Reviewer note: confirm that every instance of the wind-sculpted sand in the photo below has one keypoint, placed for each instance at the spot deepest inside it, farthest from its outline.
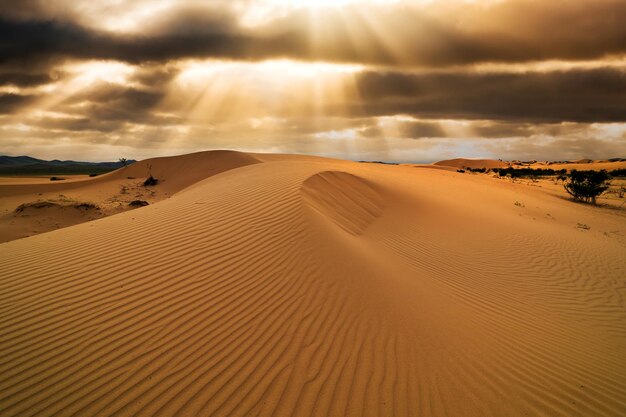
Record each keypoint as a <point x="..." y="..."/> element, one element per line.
<point x="293" y="286"/>
<point x="107" y="194"/>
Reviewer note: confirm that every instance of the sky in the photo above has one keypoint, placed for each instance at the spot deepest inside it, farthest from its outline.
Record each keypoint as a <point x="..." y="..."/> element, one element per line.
<point x="395" y="80"/>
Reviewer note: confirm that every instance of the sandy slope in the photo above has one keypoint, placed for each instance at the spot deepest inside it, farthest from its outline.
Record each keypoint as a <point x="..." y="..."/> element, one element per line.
<point x="593" y="165"/>
<point x="110" y="193"/>
<point x="472" y="163"/>
<point x="582" y="165"/>
<point x="40" y="179"/>
<point x="302" y="286"/>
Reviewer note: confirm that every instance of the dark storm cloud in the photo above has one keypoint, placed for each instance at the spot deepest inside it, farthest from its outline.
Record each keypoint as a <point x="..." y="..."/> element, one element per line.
<point x="421" y="130"/>
<point x="34" y="40"/>
<point x="120" y="96"/>
<point x="155" y="77"/>
<point x="10" y="103"/>
<point x="596" y="95"/>
<point x="81" y="124"/>
<point x="511" y="130"/>
<point x="435" y="35"/>
<point x="115" y="104"/>
<point x="24" y="79"/>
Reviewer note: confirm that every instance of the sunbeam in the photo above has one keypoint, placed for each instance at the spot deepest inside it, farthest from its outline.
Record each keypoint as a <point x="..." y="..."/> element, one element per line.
<point x="332" y="77"/>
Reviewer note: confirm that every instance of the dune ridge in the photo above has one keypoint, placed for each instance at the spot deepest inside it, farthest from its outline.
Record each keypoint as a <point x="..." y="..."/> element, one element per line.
<point x="111" y="192"/>
<point x="351" y="202"/>
<point x="302" y="286"/>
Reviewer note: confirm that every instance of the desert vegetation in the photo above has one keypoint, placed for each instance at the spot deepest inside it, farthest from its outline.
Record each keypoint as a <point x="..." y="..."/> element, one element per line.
<point x="528" y="172"/>
<point x="138" y="203"/>
<point x="582" y="185"/>
<point x="586" y="186"/>
<point x="150" y="181"/>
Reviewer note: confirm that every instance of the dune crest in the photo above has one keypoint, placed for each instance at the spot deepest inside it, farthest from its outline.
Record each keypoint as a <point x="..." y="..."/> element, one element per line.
<point x="349" y="201"/>
<point x="112" y="192"/>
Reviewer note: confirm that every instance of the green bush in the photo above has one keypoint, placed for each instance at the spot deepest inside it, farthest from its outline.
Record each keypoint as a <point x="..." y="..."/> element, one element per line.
<point x="587" y="185"/>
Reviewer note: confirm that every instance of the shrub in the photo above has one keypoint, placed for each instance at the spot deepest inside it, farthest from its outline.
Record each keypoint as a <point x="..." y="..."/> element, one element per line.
<point x="151" y="180"/>
<point x="618" y="173"/>
<point x="587" y="185"/>
<point x="531" y="173"/>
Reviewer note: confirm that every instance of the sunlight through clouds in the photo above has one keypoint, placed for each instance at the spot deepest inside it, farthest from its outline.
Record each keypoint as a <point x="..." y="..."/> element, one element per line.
<point x="348" y="78"/>
<point x="223" y="91"/>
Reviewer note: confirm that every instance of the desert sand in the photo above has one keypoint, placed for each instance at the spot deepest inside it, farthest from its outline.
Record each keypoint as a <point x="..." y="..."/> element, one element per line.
<point x="582" y="165"/>
<point x="279" y="285"/>
<point x="472" y="163"/>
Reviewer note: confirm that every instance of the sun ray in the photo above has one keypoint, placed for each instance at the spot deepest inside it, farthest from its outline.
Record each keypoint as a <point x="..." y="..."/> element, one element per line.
<point x="76" y="78"/>
<point x="230" y="91"/>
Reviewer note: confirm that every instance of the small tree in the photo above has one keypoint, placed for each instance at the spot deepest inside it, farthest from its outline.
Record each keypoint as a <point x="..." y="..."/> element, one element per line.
<point x="587" y="185"/>
<point x="123" y="161"/>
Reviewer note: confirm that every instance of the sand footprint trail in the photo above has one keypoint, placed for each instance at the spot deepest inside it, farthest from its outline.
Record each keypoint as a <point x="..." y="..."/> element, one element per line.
<point x="303" y="286"/>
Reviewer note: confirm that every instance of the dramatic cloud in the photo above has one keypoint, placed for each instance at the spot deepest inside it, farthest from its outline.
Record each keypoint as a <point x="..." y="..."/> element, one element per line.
<point x="596" y="95"/>
<point x="10" y="102"/>
<point x="407" y="33"/>
<point x="361" y="79"/>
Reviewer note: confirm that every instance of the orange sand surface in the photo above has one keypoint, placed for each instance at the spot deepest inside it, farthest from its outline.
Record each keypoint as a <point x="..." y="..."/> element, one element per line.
<point x="14" y="180"/>
<point x="277" y="285"/>
<point x="473" y="163"/>
<point x="594" y="165"/>
<point x="493" y="163"/>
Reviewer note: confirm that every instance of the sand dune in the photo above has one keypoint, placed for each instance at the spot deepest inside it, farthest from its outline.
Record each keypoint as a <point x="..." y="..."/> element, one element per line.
<point x="583" y="164"/>
<point x="473" y="163"/>
<point x="593" y="165"/>
<point x="296" y="286"/>
<point x="110" y="193"/>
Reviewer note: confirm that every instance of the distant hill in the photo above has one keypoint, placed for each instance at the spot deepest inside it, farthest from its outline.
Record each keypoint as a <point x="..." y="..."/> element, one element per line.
<point x="26" y="165"/>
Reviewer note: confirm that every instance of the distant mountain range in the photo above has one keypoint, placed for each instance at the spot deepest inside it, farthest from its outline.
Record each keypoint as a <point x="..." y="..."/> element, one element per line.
<point x="26" y="165"/>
